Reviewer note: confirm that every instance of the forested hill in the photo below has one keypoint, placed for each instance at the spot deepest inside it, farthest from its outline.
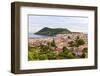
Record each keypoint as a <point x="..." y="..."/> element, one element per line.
<point x="52" y="31"/>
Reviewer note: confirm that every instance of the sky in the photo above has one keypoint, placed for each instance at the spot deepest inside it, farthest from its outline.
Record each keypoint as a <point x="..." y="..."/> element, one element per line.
<point x="72" y="23"/>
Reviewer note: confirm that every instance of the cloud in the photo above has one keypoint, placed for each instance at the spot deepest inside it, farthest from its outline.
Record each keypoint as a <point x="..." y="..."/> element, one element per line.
<point x="77" y="24"/>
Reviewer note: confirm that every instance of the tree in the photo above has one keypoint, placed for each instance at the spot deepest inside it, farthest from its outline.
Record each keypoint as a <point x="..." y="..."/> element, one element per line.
<point x="69" y="37"/>
<point x="73" y="44"/>
<point x="77" y="37"/>
<point x="53" y="43"/>
<point x="66" y="53"/>
<point x="85" y="53"/>
<point x="80" y="42"/>
<point x="63" y="54"/>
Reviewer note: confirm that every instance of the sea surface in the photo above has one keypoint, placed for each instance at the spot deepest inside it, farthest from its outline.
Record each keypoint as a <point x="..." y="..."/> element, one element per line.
<point x="31" y="35"/>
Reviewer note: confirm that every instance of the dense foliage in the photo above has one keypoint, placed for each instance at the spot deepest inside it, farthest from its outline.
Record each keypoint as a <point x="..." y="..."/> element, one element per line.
<point x="77" y="42"/>
<point x="49" y="52"/>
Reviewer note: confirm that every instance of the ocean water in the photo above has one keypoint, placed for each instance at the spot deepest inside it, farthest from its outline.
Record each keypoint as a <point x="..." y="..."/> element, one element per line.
<point x="31" y="35"/>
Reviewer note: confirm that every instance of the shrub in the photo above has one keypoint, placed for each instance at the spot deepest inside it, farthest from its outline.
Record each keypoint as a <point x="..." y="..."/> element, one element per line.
<point x="65" y="49"/>
<point x="61" y="55"/>
<point x="85" y="50"/>
<point x="70" y="55"/>
<point x="30" y="56"/>
<point x="73" y="44"/>
<point x="44" y="48"/>
<point x="84" y="55"/>
<point x="43" y="57"/>
<point x="66" y="53"/>
<point x="33" y="56"/>
<point x="52" y="54"/>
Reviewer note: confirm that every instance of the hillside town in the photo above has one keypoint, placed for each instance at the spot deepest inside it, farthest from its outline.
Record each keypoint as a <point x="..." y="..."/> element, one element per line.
<point x="64" y="40"/>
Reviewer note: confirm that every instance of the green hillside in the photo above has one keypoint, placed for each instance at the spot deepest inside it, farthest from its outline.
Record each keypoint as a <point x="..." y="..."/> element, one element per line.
<point x="52" y="31"/>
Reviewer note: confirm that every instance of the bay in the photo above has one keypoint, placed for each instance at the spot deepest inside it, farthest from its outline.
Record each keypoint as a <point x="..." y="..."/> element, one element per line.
<point x="31" y="35"/>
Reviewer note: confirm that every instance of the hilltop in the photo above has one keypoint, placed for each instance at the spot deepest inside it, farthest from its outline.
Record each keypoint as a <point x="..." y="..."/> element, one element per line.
<point x="52" y="31"/>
